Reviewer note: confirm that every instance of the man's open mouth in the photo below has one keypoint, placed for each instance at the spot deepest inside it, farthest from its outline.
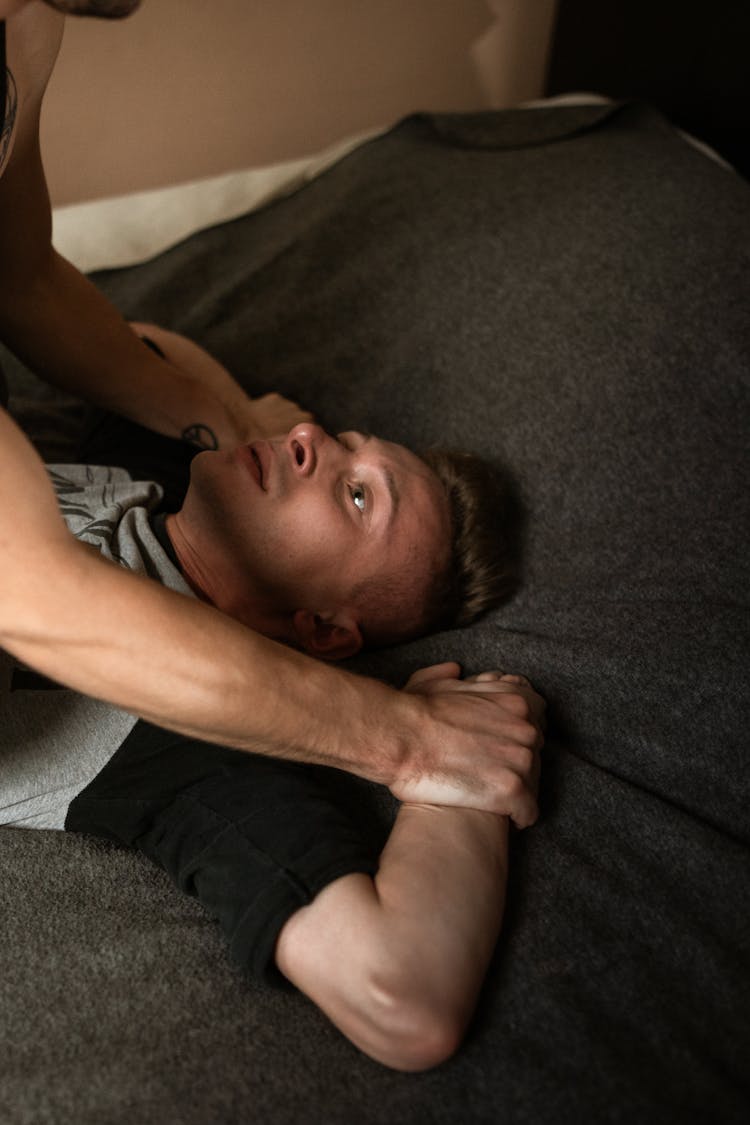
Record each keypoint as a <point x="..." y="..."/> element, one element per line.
<point x="256" y="459"/>
<point x="259" y="466"/>
<point x="254" y="463"/>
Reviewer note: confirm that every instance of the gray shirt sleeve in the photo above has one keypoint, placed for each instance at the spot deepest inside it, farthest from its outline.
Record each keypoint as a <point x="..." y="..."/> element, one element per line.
<point x="53" y="741"/>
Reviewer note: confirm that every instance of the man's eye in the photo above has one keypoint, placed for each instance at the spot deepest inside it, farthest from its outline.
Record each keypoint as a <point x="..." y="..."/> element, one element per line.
<point x="358" y="496"/>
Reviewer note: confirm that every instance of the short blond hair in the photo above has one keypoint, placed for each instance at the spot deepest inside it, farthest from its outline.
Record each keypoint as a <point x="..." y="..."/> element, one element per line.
<point x="483" y="558"/>
<point x="484" y="561"/>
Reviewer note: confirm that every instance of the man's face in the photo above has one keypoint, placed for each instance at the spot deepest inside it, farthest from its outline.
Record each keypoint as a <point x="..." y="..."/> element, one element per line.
<point x="311" y="517"/>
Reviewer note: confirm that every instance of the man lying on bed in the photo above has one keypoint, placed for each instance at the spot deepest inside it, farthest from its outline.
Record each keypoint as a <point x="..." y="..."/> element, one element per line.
<point x="108" y="633"/>
<point x="324" y="543"/>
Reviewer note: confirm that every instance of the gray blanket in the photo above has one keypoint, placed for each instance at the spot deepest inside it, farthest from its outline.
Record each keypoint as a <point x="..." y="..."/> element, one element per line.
<point x="566" y="290"/>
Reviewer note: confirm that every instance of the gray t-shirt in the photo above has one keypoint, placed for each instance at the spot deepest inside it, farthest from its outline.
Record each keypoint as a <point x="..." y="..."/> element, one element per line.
<point x="53" y="741"/>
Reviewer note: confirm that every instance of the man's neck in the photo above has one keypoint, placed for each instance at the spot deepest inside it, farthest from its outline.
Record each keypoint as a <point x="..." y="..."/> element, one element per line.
<point x="207" y="586"/>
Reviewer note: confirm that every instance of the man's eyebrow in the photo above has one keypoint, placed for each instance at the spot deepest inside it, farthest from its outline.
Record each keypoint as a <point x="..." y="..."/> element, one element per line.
<point x="392" y="491"/>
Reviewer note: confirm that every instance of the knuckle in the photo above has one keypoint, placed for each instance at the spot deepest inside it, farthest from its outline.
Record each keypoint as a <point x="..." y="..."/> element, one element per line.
<point x="523" y="707"/>
<point x="517" y="704"/>
<point x="522" y="733"/>
<point x="525" y="758"/>
<point x="528" y="818"/>
<point x="512" y="785"/>
<point x="515" y="678"/>
<point x="529" y="733"/>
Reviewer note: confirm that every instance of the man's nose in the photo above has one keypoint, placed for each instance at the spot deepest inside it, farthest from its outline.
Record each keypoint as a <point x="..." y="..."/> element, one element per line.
<point x="304" y="443"/>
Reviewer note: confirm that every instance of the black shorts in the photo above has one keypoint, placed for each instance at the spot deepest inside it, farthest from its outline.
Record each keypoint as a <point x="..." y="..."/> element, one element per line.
<point x="253" y="838"/>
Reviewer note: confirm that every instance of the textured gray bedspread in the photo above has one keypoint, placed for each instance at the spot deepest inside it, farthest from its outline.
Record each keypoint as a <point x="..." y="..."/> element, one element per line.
<point x="568" y="290"/>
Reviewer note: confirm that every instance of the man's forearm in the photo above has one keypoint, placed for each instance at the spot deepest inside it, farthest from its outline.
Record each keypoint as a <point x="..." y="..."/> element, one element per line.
<point x="69" y="334"/>
<point x="181" y="664"/>
<point x="397" y="962"/>
<point x="66" y="331"/>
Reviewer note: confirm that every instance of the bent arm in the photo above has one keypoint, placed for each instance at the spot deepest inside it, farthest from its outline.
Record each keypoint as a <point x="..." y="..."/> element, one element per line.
<point x="397" y="962"/>
<point x="70" y="335"/>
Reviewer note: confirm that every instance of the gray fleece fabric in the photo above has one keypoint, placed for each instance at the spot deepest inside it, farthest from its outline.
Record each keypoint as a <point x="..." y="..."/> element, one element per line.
<point x="565" y="290"/>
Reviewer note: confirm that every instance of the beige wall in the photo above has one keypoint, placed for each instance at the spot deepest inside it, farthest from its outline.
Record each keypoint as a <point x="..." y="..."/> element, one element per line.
<point x="185" y="88"/>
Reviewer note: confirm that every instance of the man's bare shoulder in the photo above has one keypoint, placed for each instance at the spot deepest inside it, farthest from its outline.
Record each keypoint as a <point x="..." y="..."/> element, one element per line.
<point x="33" y="36"/>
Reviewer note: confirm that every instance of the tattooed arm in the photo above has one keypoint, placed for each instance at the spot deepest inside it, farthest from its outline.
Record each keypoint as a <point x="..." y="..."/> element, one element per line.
<point x="57" y="322"/>
<point x="66" y="332"/>
<point x="266" y="416"/>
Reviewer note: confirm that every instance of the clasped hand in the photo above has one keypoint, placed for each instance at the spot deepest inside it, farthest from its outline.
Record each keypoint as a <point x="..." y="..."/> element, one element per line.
<point x="482" y="738"/>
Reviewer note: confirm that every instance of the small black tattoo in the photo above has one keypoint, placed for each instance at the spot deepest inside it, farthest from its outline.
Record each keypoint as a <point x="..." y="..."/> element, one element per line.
<point x="153" y="345"/>
<point x="200" y="435"/>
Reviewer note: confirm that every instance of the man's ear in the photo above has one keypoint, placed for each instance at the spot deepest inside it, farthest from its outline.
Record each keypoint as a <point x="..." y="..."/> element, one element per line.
<point x="333" y="639"/>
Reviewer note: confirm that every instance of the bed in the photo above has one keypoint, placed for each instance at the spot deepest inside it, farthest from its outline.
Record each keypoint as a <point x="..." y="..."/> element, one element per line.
<point x="563" y="288"/>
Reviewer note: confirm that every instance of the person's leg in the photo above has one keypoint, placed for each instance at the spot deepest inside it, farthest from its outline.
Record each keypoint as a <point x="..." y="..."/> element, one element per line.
<point x="397" y="961"/>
